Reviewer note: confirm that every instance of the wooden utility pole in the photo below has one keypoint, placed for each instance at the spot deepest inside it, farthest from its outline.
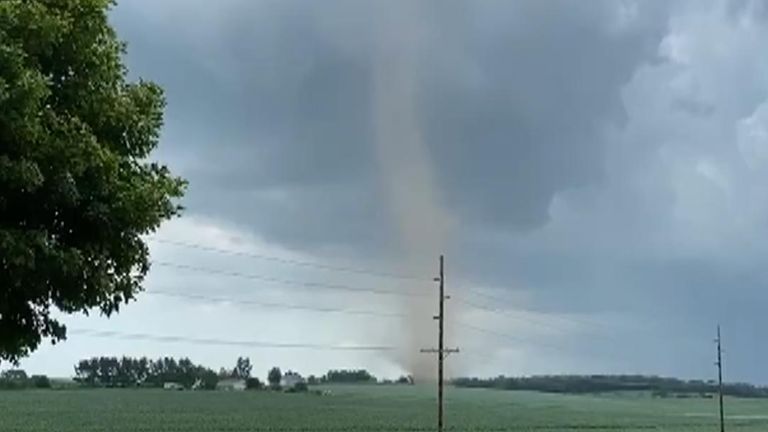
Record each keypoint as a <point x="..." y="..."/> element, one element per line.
<point x="441" y="351"/>
<point x="719" y="364"/>
<point x="440" y="357"/>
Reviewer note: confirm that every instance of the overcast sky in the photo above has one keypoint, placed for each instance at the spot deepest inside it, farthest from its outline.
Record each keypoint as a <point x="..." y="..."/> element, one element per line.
<point x="599" y="169"/>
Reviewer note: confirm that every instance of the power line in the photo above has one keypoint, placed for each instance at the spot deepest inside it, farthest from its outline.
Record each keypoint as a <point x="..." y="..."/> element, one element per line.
<point x="204" y="298"/>
<point x="533" y="320"/>
<point x="506" y="313"/>
<point x="181" y="339"/>
<point x="284" y="281"/>
<point x="341" y="310"/>
<point x="509" y="337"/>
<point x="246" y="302"/>
<point x="540" y="322"/>
<point x="340" y="287"/>
<point x="564" y="319"/>
<point x="347" y="269"/>
<point x="282" y="260"/>
<point x="519" y="340"/>
<point x="201" y="341"/>
<point x="309" y="284"/>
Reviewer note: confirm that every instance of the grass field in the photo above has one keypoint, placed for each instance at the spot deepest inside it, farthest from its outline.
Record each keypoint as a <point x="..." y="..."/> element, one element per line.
<point x="363" y="408"/>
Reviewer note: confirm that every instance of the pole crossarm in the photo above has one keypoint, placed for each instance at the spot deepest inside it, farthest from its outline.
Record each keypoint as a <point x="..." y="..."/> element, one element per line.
<point x="446" y="351"/>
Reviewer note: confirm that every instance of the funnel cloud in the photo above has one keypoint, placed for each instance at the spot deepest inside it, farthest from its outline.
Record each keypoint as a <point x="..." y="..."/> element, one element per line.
<point x="406" y="170"/>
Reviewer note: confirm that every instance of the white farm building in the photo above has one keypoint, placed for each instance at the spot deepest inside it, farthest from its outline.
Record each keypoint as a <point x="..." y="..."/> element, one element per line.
<point x="290" y="380"/>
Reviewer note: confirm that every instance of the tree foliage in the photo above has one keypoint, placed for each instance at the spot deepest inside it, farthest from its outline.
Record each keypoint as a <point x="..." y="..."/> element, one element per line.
<point x="77" y="188"/>
<point x="242" y="368"/>
<point x="14" y="375"/>
<point x="299" y="387"/>
<point x="253" y="384"/>
<point x="404" y="379"/>
<point x="348" y="376"/>
<point x="17" y="379"/>
<point x="40" y="381"/>
<point x="130" y="372"/>
<point x="274" y="376"/>
<point x="610" y="383"/>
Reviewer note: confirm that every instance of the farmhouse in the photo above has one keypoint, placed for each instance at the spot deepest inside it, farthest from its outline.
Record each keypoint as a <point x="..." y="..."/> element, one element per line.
<point x="290" y="380"/>
<point x="233" y="384"/>
<point x="172" y="386"/>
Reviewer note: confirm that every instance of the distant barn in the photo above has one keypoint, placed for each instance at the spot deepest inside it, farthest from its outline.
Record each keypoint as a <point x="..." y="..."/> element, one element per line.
<point x="291" y="379"/>
<point x="172" y="386"/>
<point x="231" y="384"/>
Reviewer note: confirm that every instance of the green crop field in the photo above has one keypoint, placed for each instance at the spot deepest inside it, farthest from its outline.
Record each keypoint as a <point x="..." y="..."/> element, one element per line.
<point x="363" y="408"/>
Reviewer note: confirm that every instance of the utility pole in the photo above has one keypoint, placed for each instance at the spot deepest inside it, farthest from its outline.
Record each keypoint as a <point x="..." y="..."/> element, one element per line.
<point x="719" y="365"/>
<point x="440" y="347"/>
<point x="441" y="351"/>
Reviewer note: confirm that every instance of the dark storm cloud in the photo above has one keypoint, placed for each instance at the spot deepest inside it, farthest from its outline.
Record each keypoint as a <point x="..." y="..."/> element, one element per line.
<point x="517" y="115"/>
<point x="272" y="118"/>
<point x="602" y="156"/>
<point x="277" y="100"/>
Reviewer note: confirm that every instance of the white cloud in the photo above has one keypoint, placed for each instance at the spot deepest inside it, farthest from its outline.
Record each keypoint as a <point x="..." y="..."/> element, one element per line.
<point x="233" y="321"/>
<point x="753" y="137"/>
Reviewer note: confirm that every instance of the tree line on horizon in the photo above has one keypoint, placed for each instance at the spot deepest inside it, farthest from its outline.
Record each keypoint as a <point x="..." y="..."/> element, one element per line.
<point x="134" y="372"/>
<point x="144" y="372"/>
<point x="582" y="384"/>
<point x="130" y="372"/>
<point x="15" y="379"/>
<point x="123" y="372"/>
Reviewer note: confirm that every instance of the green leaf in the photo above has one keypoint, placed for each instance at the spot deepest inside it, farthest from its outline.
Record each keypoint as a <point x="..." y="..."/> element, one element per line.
<point x="76" y="190"/>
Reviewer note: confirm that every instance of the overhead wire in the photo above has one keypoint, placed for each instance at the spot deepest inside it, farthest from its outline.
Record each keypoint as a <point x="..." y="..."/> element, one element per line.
<point x="506" y="313"/>
<point x="275" y="280"/>
<point x="309" y="284"/>
<point x="290" y="261"/>
<point x="509" y="337"/>
<point x="579" y="321"/>
<point x="277" y="305"/>
<point x="350" y="269"/>
<point x="204" y="341"/>
<point x="514" y="314"/>
<point x="269" y="279"/>
<point x="538" y="321"/>
<point x="203" y="298"/>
